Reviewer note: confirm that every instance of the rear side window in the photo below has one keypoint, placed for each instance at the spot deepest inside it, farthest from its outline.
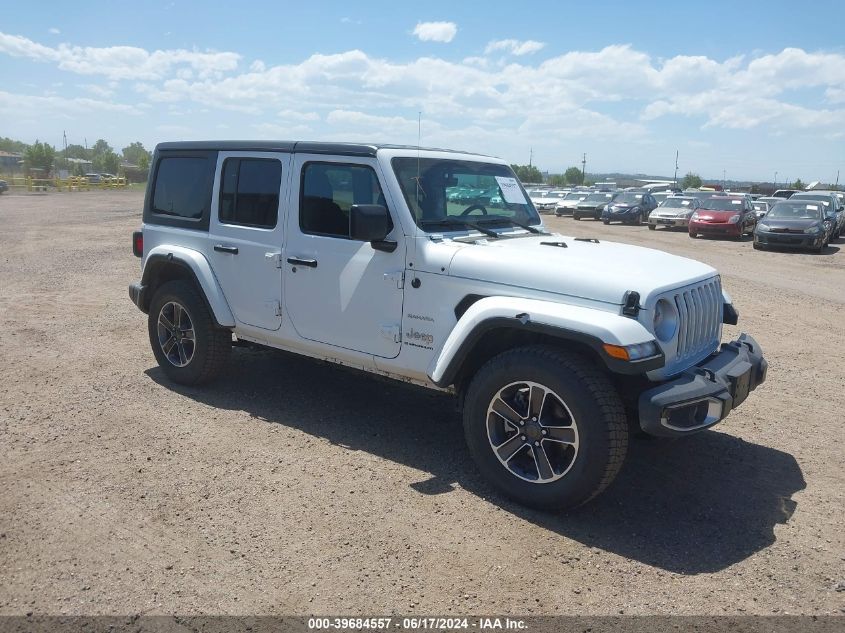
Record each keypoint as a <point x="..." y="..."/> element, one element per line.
<point x="181" y="187"/>
<point x="249" y="192"/>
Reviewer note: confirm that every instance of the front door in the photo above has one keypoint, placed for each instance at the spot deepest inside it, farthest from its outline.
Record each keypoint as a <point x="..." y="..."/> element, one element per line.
<point x="245" y="234"/>
<point x="337" y="290"/>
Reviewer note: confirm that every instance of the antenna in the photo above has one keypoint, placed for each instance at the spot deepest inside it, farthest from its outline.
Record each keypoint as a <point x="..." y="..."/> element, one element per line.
<point x="675" y="179"/>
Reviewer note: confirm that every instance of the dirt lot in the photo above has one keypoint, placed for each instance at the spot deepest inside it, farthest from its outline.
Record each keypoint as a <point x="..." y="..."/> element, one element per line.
<point x="293" y="487"/>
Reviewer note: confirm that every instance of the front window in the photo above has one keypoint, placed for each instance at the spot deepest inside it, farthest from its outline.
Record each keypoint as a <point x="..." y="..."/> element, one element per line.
<point x="598" y="198"/>
<point x="575" y="196"/>
<point x="487" y="193"/>
<point x="676" y="203"/>
<point x="722" y="203"/>
<point x="795" y="211"/>
<point x="629" y="198"/>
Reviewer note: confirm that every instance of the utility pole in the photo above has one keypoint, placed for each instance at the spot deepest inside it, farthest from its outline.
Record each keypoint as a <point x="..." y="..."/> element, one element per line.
<point x="723" y="180"/>
<point x="64" y="138"/>
<point x="531" y="157"/>
<point x="775" y="183"/>
<point x="837" y="180"/>
<point x="675" y="178"/>
<point x="584" y="168"/>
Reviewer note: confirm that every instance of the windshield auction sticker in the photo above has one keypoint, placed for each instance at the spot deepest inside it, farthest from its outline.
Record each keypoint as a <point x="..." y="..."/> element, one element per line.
<point x="510" y="190"/>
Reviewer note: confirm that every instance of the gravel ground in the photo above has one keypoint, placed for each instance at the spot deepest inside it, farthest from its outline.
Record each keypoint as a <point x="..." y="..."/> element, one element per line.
<point x="295" y="487"/>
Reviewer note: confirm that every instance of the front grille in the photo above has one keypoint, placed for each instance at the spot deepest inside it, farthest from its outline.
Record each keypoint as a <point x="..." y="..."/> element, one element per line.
<point x="699" y="318"/>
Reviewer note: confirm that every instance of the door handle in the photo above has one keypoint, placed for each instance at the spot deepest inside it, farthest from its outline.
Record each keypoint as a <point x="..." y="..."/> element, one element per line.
<point x="296" y="261"/>
<point x="220" y="248"/>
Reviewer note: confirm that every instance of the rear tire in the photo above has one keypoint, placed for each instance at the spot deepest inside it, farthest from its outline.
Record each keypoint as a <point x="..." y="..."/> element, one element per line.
<point x="652" y="227"/>
<point x="562" y="451"/>
<point x="606" y="221"/>
<point x="189" y="346"/>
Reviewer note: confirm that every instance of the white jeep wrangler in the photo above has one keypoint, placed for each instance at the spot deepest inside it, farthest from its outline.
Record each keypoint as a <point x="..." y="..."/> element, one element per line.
<point x="358" y="254"/>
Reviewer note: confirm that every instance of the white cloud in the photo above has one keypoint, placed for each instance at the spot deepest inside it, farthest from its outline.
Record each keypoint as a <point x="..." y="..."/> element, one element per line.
<point x="481" y="103"/>
<point x="53" y="30"/>
<point x="436" y="31"/>
<point x="120" y="62"/>
<point x="61" y="106"/>
<point x="514" y="47"/>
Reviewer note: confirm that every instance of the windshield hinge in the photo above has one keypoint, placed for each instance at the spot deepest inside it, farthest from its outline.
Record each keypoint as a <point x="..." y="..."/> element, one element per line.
<point x="396" y="277"/>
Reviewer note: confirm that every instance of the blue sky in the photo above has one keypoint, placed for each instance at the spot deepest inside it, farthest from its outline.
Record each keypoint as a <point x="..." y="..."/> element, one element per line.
<point x="743" y="88"/>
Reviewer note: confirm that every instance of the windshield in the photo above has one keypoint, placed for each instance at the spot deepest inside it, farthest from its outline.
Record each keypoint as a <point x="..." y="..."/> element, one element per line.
<point x="575" y="196"/>
<point x="722" y="203"/>
<point x="823" y="198"/>
<point x="795" y="211"/>
<point x="491" y="193"/>
<point x="676" y="203"/>
<point x="760" y="206"/>
<point x="598" y="197"/>
<point x="629" y="198"/>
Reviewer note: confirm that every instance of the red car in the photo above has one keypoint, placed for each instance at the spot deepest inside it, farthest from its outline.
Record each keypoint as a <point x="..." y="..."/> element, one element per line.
<point x="731" y="216"/>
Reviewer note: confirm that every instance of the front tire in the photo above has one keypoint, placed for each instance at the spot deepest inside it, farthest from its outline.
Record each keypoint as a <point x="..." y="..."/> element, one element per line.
<point x="545" y="427"/>
<point x="652" y="227"/>
<point x="189" y="346"/>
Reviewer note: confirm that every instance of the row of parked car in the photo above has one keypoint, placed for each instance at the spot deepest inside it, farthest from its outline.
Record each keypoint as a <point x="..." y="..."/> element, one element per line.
<point x="789" y="218"/>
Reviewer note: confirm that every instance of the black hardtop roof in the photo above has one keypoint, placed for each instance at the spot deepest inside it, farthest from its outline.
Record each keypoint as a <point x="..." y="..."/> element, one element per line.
<point x="306" y="147"/>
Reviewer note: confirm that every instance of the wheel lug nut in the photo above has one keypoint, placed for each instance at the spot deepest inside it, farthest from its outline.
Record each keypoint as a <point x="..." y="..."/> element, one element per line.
<point x="536" y="443"/>
<point x="533" y="419"/>
<point x="522" y="437"/>
<point x="544" y="431"/>
<point x="522" y="423"/>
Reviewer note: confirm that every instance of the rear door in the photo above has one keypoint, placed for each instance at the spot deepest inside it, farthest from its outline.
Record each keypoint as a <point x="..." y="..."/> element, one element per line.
<point x="246" y="234"/>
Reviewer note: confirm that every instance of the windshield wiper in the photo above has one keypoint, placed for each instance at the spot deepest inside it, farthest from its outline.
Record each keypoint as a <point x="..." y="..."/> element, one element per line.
<point x="527" y="227"/>
<point x="458" y="222"/>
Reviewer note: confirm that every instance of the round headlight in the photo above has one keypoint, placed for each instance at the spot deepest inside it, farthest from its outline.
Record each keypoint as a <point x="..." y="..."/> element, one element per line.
<point x="665" y="320"/>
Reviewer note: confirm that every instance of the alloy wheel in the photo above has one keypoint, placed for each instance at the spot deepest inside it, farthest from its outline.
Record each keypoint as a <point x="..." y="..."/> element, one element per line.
<point x="176" y="334"/>
<point x="532" y="432"/>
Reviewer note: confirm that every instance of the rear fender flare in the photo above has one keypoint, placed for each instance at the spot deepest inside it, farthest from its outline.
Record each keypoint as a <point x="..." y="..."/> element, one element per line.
<point x="199" y="268"/>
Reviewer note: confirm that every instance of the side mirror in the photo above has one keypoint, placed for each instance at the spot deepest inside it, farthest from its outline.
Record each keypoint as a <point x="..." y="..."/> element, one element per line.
<point x="369" y="222"/>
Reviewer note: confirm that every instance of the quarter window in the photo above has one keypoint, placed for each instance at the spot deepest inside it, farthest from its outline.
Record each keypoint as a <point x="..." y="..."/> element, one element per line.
<point x="181" y="187"/>
<point x="249" y="192"/>
<point x="327" y="193"/>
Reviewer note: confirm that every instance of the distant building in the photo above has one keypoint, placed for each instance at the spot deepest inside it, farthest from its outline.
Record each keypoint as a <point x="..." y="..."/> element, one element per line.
<point x="10" y="161"/>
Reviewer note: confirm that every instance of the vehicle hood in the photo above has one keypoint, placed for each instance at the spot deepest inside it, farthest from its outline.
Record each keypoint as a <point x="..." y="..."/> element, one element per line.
<point x="568" y="204"/>
<point x="671" y="212"/>
<point x="798" y="225"/>
<point x="591" y="205"/>
<point x="601" y="271"/>
<point x="622" y="206"/>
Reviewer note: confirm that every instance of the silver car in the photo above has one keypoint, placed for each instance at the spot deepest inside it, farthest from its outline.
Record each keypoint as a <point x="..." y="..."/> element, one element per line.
<point x="673" y="211"/>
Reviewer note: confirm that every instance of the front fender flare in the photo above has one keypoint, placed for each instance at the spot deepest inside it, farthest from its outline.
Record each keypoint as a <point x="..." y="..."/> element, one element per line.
<point x="198" y="266"/>
<point x="567" y="322"/>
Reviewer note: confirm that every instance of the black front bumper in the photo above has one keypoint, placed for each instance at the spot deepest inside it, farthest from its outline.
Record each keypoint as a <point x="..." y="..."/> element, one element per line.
<point x="705" y="394"/>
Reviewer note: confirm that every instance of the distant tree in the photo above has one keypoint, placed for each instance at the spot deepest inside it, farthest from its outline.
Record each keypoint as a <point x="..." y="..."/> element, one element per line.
<point x="107" y="162"/>
<point x="135" y="152"/>
<point x="77" y="151"/>
<point x="574" y="176"/>
<point x="144" y="162"/>
<point x="39" y="156"/>
<point x="797" y="185"/>
<point x="557" y="180"/>
<point x="101" y="147"/>
<point x="11" y="145"/>
<point x="691" y="181"/>
<point x="755" y="188"/>
<point x="527" y="173"/>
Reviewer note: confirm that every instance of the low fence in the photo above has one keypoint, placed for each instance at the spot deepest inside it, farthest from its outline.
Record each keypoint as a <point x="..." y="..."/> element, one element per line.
<point x="72" y="183"/>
